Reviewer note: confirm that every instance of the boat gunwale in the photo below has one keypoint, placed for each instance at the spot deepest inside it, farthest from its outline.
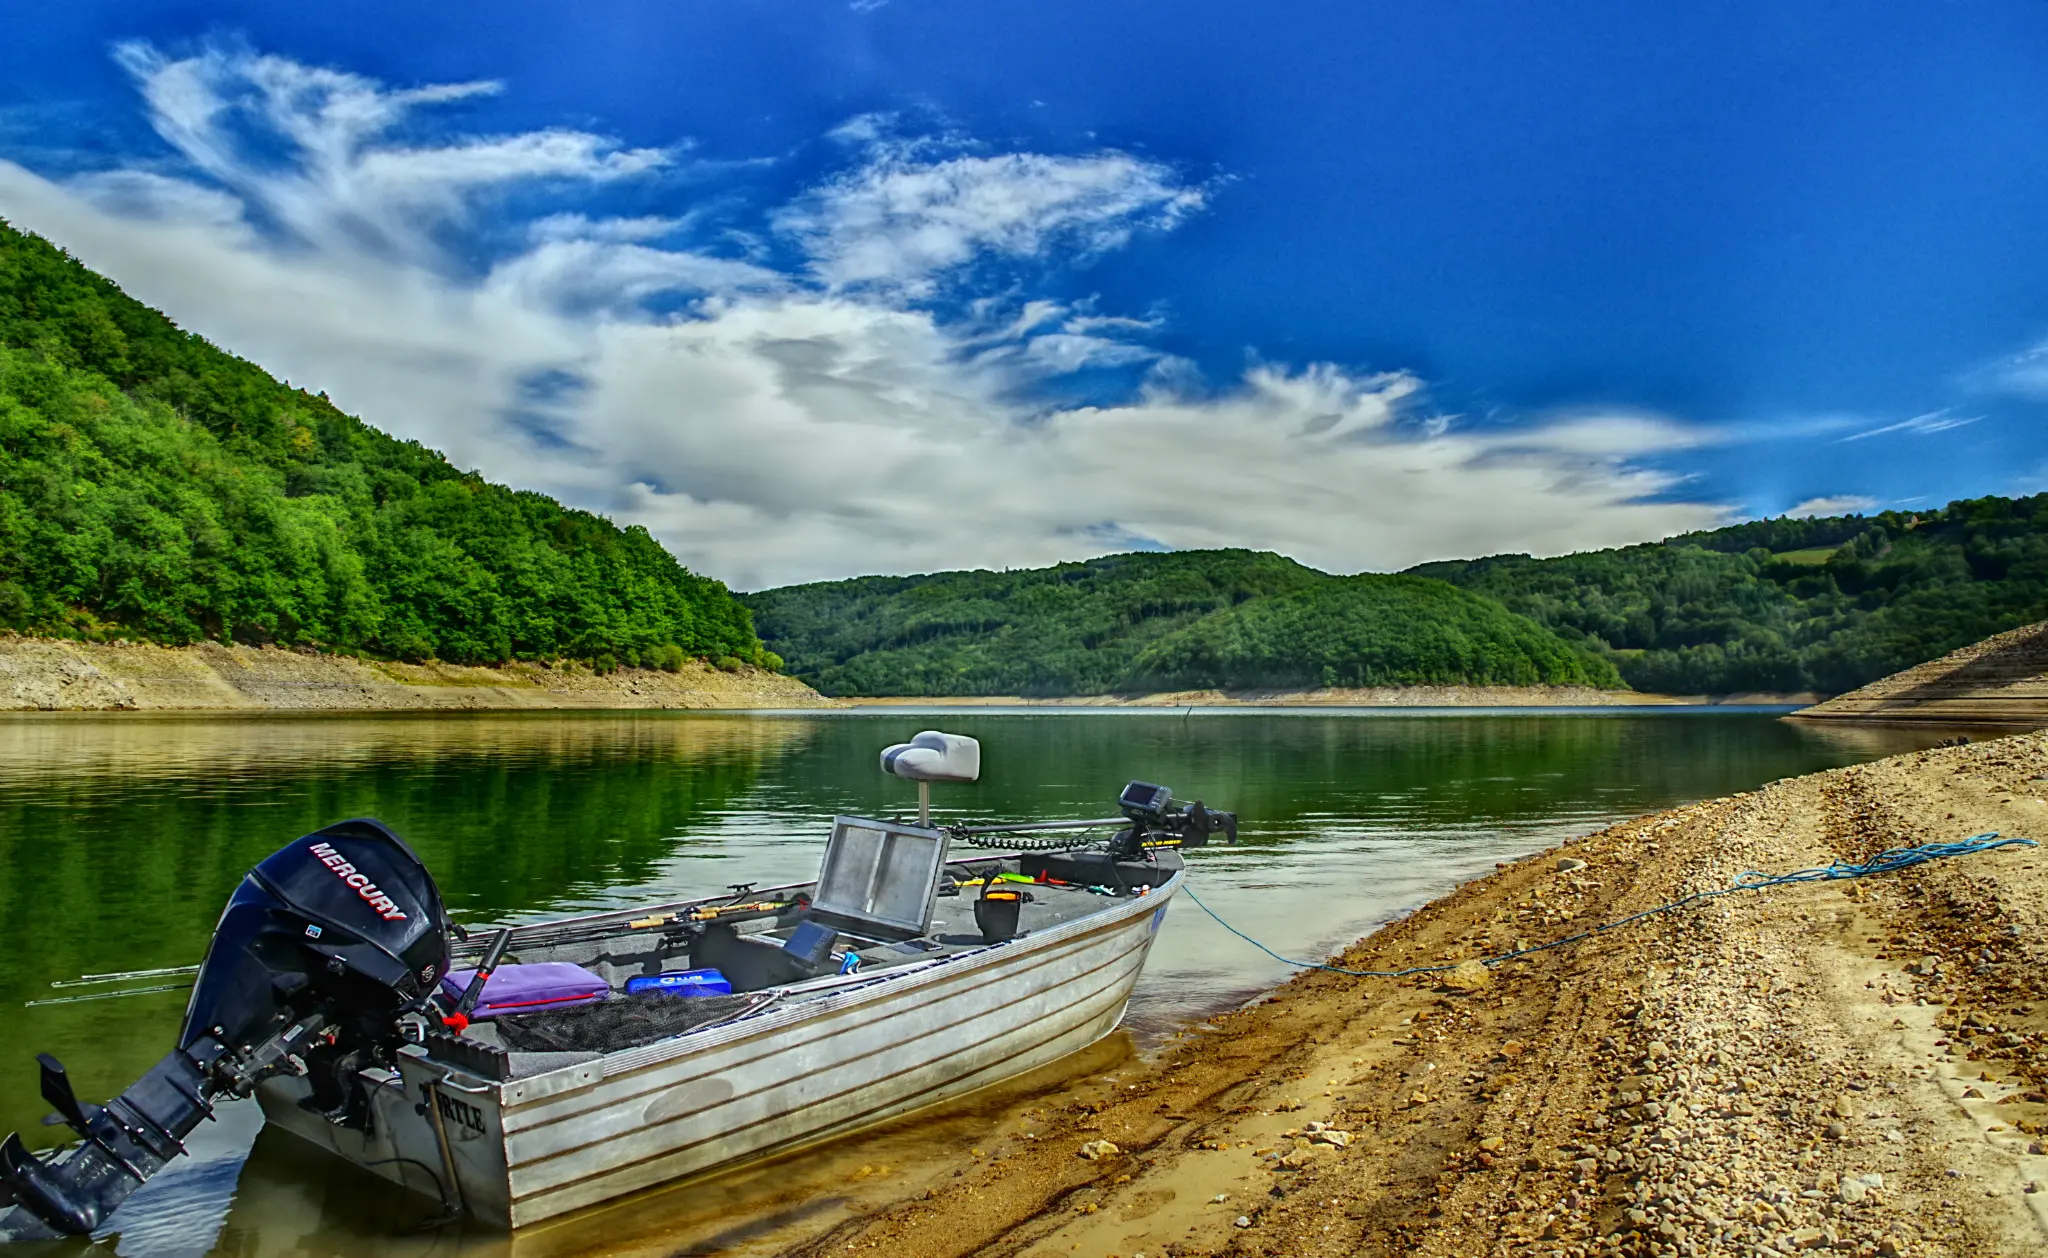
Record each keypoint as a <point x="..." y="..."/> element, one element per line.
<point x="779" y="1014"/>
<point x="510" y="1116"/>
<point x="844" y="1126"/>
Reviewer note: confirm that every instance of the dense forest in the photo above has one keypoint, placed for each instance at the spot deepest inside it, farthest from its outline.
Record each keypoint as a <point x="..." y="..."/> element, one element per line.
<point x="1770" y="605"/>
<point x="1140" y="622"/>
<point x="153" y="486"/>
<point x="1825" y="604"/>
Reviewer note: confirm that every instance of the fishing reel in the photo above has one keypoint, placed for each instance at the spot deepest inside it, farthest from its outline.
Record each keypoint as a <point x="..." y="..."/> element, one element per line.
<point x="1157" y="821"/>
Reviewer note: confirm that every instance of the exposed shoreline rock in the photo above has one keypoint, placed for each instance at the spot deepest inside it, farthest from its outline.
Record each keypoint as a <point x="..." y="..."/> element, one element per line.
<point x="1338" y="697"/>
<point x="2002" y="680"/>
<point x="49" y="675"/>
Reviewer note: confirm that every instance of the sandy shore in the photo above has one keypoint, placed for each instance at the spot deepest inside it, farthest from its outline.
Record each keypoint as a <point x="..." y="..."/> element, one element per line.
<point x="1338" y="697"/>
<point x="41" y="674"/>
<point x="1857" y="1067"/>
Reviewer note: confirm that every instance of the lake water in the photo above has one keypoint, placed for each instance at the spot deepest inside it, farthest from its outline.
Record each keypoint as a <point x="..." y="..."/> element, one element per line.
<point x="121" y="837"/>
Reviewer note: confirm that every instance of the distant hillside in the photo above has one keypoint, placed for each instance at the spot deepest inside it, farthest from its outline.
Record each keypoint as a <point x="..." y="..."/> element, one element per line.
<point x="1226" y="619"/>
<point x="1827" y="605"/>
<point x="153" y="486"/>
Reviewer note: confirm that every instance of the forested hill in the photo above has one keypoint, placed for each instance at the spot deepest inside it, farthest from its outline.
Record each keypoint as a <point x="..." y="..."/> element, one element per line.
<point x="1826" y="604"/>
<point x="153" y="486"/>
<point x="1144" y="622"/>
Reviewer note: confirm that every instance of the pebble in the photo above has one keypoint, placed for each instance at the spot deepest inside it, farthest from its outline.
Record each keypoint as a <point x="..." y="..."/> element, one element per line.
<point x="1468" y="976"/>
<point x="1097" y="1150"/>
<point x="1241" y="1221"/>
<point x="1725" y="1120"/>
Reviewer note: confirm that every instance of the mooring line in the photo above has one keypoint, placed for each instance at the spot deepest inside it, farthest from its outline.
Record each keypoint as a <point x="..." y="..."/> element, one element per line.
<point x="1891" y="860"/>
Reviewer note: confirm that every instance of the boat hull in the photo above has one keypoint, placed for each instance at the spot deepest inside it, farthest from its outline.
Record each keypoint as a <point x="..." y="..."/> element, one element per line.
<point x="813" y="1070"/>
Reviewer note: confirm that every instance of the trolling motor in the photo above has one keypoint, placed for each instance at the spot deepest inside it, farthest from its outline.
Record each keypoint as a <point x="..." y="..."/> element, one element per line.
<point x="320" y="950"/>
<point x="1151" y="824"/>
<point x="1157" y="821"/>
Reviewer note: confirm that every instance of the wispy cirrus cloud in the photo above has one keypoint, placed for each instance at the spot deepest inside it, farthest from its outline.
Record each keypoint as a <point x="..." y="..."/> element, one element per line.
<point x="1931" y="422"/>
<point x="2021" y="375"/>
<point x="837" y="384"/>
<point x="321" y="152"/>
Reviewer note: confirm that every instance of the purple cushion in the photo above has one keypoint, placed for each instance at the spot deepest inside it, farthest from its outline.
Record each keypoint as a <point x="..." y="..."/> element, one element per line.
<point x="521" y="988"/>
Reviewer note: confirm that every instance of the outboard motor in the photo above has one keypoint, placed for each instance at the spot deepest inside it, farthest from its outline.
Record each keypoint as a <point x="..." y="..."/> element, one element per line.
<point x="320" y="950"/>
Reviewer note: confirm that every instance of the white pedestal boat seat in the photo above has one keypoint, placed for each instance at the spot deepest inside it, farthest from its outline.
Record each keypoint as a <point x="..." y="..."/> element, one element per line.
<point x="934" y="757"/>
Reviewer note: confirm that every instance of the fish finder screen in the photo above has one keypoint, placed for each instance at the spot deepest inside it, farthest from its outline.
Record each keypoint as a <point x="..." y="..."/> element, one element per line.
<point x="1144" y="797"/>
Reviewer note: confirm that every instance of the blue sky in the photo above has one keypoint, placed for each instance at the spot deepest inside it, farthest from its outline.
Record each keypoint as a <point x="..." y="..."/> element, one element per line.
<point x="814" y="288"/>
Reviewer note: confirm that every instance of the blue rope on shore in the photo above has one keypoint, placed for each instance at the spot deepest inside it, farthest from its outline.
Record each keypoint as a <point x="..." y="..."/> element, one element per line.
<point x="1891" y="860"/>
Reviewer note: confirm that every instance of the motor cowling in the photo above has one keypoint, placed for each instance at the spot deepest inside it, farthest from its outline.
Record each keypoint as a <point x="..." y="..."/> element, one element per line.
<point x="347" y="916"/>
<point x="320" y="949"/>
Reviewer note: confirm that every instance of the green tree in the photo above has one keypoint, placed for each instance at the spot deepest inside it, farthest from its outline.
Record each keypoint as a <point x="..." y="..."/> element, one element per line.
<point x="1223" y="618"/>
<point x="154" y="486"/>
<point x="1825" y="604"/>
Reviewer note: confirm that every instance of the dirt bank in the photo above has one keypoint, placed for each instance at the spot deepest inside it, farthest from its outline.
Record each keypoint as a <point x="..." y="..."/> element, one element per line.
<point x="38" y="674"/>
<point x="2002" y="680"/>
<point x="1855" y="1066"/>
<point x="1337" y="697"/>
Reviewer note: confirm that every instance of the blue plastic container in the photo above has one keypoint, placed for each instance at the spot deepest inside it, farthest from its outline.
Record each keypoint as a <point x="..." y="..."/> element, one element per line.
<point x="680" y="983"/>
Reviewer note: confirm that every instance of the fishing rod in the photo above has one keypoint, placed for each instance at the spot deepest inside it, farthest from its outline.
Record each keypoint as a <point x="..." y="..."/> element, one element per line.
<point x="123" y="976"/>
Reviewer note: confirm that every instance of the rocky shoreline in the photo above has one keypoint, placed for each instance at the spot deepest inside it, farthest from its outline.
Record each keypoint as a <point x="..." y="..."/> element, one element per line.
<point x="1844" y="1067"/>
<point x="52" y="675"/>
<point x="1339" y="697"/>
<point x="47" y="675"/>
<point x="2002" y="680"/>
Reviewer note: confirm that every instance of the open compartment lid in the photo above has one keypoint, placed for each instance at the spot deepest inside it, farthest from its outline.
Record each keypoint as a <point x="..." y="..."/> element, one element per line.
<point x="879" y="878"/>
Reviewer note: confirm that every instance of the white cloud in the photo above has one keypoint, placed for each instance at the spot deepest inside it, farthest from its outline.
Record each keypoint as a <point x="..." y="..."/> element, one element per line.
<point x="907" y="216"/>
<point x="816" y="421"/>
<point x="614" y="230"/>
<point x="1838" y="504"/>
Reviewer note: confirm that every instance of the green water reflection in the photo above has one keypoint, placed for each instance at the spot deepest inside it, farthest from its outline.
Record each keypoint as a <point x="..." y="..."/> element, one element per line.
<point x="120" y="838"/>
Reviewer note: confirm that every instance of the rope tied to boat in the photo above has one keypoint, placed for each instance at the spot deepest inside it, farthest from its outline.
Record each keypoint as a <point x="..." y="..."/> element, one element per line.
<point x="1891" y="860"/>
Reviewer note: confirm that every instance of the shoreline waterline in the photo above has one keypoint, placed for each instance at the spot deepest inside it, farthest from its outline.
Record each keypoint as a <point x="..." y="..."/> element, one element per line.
<point x="1657" y="1082"/>
<point x="147" y="820"/>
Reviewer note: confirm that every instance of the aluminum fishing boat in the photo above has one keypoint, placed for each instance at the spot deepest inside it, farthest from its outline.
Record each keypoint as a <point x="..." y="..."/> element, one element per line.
<point x="519" y="1073"/>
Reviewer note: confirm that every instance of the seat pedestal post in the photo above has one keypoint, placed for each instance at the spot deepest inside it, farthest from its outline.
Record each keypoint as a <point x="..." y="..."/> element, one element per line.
<point x="924" y="804"/>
